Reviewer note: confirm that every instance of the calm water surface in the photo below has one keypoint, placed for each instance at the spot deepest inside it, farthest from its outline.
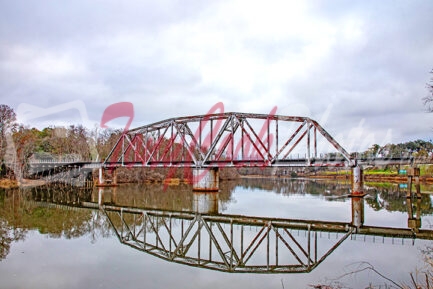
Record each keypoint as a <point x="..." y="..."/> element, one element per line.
<point x="67" y="238"/>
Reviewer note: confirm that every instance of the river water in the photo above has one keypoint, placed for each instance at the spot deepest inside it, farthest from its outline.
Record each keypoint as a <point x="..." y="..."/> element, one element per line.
<point x="254" y="233"/>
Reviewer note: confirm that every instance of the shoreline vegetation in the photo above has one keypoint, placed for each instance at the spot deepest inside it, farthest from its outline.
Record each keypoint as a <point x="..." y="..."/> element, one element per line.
<point x="164" y="176"/>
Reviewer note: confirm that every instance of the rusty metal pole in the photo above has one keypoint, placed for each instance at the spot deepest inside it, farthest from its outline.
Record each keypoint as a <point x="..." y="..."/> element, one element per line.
<point x="357" y="181"/>
<point x="357" y="211"/>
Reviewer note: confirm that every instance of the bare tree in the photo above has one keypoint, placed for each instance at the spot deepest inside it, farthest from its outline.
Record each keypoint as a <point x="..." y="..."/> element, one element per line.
<point x="428" y="100"/>
<point x="7" y="123"/>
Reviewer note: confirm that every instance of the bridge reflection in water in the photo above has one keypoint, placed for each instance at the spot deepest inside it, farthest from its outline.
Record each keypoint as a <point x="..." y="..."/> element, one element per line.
<point x="227" y="242"/>
<point x="234" y="243"/>
<point x="205" y="238"/>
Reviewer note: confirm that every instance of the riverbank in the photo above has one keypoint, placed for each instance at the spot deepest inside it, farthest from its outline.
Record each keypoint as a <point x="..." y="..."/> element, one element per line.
<point x="388" y="178"/>
<point x="8" y="184"/>
<point x="13" y="184"/>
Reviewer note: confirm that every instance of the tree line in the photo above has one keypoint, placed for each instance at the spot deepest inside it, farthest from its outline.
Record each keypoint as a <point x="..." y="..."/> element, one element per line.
<point x="417" y="149"/>
<point x="20" y="143"/>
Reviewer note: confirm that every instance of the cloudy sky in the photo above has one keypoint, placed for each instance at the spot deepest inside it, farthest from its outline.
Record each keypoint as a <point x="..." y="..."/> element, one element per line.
<point x="359" y="68"/>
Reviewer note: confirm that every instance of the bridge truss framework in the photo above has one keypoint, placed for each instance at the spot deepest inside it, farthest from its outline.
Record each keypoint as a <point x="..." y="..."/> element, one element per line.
<point x="228" y="139"/>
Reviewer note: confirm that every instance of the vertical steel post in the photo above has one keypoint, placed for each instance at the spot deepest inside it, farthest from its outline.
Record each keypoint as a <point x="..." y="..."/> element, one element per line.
<point x="308" y="143"/>
<point x="357" y="211"/>
<point x="171" y="143"/>
<point x="199" y="241"/>
<point x="242" y="139"/>
<point x="231" y="244"/>
<point x="159" y="139"/>
<point x="145" y="146"/>
<point x="242" y="244"/>
<point x="315" y="247"/>
<point x="144" y="229"/>
<point x="200" y="132"/>
<point x="276" y="246"/>
<point x="210" y="241"/>
<point x="232" y="142"/>
<point x="357" y="181"/>
<point x="101" y="176"/>
<point x="170" y="238"/>
<point x="276" y="137"/>
<point x="211" y="133"/>
<point x="267" y="246"/>
<point x="100" y="197"/>
<point x="123" y="149"/>
<point x="315" y="142"/>
<point x="269" y="136"/>
<point x="309" y="246"/>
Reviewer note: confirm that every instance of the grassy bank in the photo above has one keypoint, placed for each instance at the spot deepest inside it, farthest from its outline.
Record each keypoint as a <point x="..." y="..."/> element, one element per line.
<point x="391" y="174"/>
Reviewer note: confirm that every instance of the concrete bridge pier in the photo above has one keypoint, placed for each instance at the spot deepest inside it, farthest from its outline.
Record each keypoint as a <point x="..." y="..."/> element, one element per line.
<point x="414" y="218"/>
<point x="205" y="202"/>
<point x="413" y="177"/>
<point x="357" y="181"/>
<point x="102" y="182"/>
<point x="205" y="179"/>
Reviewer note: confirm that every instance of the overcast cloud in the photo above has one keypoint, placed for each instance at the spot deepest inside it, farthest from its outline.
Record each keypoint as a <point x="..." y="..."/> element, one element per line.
<point x="360" y="67"/>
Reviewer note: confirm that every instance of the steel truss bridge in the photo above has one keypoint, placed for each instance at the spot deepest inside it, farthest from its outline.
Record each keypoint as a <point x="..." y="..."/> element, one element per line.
<point x="229" y="139"/>
<point x="206" y="143"/>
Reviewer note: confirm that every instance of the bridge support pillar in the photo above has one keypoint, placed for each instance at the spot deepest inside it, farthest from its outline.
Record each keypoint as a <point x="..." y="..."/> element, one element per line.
<point x="414" y="218"/>
<point x="101" y="197"/>
<point x="413" y="177"/>
<point x="357" y="181"/>
<point x="205" y="179"/>
<point x="357" y="211"/>
<point x="101" y="176"/>
<point x="205" y="202"/>
<point x="102" y="182"/>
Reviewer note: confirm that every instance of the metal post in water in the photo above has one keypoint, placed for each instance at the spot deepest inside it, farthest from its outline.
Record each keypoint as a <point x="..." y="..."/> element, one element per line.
<point x="413" y="175"/>
<point x="101" y="176"/>
<point x="414" y="221"/>
<point x="357" y="181"/>
<point x="357" y="211"/>
<point x="205" y="202"/>
<point x="100" y="197"/>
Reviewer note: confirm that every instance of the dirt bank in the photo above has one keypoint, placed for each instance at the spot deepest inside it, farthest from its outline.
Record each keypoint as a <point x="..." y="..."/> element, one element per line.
<point x="12" y="184"/>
